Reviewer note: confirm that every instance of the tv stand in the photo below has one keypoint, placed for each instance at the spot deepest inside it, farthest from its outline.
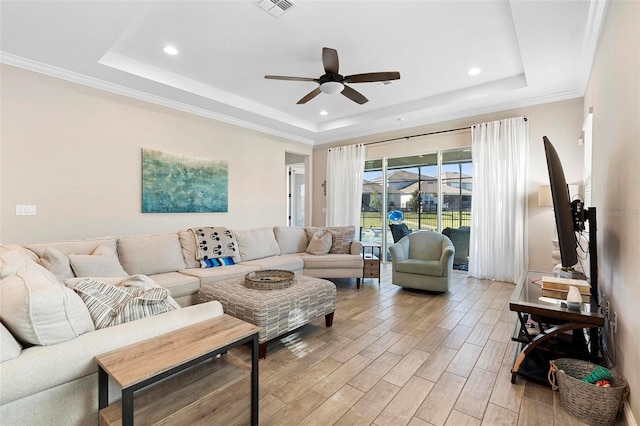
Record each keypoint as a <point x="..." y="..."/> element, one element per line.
<point x="550" y="339"/>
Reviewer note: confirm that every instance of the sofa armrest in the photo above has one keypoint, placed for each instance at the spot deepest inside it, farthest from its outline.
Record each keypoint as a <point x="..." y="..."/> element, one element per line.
<point x="42" y="367"/>
<point x="356" y="247"/>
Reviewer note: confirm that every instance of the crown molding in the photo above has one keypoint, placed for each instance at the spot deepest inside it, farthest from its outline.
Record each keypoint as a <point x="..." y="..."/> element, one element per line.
<point x="95" y="83"/>
<point x="425" y="117"/>
<point x="597" y="13"/>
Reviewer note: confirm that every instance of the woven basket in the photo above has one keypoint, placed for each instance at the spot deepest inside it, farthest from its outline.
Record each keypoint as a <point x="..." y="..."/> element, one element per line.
<point x="269" y="279"/>
<point x="591" y="404"/>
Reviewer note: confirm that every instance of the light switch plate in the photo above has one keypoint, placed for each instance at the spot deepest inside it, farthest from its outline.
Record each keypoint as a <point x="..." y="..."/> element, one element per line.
<point x="25" y="210"/>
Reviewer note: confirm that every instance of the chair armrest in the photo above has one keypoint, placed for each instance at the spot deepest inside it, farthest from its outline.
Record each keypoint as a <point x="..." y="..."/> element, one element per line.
<point x="398" y="252"/>
<point x="447" y="254"/>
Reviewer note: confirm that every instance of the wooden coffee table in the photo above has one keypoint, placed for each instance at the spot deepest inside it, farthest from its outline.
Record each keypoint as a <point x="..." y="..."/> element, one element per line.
<point x="142" y="364"/>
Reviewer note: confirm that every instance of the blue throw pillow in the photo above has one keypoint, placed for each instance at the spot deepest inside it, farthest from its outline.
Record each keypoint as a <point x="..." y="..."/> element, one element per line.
<point x="216" y="261"/>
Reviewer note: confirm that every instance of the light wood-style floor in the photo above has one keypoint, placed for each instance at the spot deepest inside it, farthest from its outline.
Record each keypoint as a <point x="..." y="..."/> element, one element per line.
<point x="402" y="357"/>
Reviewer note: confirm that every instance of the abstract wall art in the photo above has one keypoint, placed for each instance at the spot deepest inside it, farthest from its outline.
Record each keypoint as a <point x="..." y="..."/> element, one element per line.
<point x="175" y="183"/>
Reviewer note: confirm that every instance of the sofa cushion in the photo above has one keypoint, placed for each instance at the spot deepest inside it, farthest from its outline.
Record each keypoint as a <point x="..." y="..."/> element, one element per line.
<point x="40" y="310"/>
<point x="211" y="275"/>
<point x="112" y="305"/>
<point x="291" y="239"/>
<point x="9" y="346"/>
<point x="332" y="261"/>
<point x="342" y="237"/>
<point x="320" y="243"/>
<point x="103" y="262"/>
<point x="150" y="254"/>
<point x="289" y="262"/>
<point x="178" y="284"/>
<point x="74" y="246"/>
<point x="57" y="263"/>
<point x="257" y="243"/>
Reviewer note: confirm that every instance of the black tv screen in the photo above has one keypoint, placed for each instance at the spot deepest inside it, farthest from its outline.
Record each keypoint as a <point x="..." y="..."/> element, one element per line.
<point x="561" y="207"/>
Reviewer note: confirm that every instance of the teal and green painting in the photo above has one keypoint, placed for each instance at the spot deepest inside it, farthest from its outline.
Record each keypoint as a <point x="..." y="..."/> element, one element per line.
<point x="175" y="183"/>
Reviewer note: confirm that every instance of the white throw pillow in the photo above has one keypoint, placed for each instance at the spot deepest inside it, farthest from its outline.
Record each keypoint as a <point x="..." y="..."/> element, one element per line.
<point x="103" y="262"/>
<point x="320" y="243"/>
<point x="86" y="246"/>
<point x="12" y="261"/>
<point x="342" y="237"/>
<point x="40" y="310"/>
<point x="57" y="263"/>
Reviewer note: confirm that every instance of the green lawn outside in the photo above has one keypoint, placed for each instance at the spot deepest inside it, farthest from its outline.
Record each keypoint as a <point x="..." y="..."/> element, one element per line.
<point x="427" y="221"/>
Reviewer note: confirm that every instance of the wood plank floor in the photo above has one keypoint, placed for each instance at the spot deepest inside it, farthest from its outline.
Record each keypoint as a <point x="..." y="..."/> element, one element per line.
<point x="402" y="357"/>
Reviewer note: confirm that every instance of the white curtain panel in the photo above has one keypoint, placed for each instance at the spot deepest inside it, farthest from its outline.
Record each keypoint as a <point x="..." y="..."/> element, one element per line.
<point x="345" y="170"/>
<point x="498" y="241"/>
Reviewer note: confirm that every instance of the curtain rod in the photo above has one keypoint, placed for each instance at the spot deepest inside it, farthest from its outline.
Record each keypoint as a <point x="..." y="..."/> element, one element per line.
<point x="423" y="134"/>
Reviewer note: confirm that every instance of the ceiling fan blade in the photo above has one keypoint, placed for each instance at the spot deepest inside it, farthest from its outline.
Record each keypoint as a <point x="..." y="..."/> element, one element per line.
<point x="371" y="77"/>
<point x="330" y="60"/>
<point x="309" y="96"/>
<point x="284" y="77"/>
<point x="354" y="95"/>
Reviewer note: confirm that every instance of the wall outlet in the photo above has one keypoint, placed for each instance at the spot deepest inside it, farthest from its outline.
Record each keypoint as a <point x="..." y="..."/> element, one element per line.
<point x="25" y="210"/>
<point x="614" y="322"/>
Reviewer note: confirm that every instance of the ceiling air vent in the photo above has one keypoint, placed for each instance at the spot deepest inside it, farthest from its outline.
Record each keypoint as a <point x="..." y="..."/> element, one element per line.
<point x="275" y="8"/>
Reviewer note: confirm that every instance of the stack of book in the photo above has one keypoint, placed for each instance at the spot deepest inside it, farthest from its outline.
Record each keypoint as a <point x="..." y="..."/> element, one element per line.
<point x="558" y="288"/>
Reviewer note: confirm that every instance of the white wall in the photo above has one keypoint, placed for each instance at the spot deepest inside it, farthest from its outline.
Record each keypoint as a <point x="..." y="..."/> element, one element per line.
<point x="614" y="94"/>
<point x="560" y="121"/>
<point x="75" y="152"/>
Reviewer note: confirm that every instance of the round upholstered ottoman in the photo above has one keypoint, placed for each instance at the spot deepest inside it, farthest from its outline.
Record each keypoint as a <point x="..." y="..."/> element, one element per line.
<point x="276" y="312"/>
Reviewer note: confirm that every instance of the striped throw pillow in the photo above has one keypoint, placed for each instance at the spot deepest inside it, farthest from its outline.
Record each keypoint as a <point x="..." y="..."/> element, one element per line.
<point x="112" y="305"/>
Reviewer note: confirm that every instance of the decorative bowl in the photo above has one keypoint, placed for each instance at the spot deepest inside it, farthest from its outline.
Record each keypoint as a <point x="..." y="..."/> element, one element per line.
<point x="269" y="279"/>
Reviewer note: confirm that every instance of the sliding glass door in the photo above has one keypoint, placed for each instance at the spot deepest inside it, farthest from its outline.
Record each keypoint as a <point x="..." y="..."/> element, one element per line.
<point x="374" y="198"/>
<point x="424" y="192"/>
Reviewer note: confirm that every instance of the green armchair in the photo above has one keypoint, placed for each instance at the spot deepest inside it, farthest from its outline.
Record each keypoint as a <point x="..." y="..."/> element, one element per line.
<point x="423" y="260"/>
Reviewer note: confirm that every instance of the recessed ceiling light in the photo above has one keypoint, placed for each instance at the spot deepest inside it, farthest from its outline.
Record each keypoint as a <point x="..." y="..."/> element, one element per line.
<point x="474" y="71"/>
<point x="323" y="112"/>
<point x="170" y="50"/>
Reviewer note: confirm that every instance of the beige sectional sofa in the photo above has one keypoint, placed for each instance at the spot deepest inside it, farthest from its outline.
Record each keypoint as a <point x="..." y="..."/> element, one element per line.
<point x="54" y="381"/>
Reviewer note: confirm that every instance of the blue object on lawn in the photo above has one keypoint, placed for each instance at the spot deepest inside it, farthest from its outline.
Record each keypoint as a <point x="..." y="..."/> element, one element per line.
<point x="396" y="216"/>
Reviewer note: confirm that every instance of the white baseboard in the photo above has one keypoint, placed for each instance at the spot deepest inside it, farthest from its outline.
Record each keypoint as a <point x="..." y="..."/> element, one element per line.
<point x="628" y="415"/>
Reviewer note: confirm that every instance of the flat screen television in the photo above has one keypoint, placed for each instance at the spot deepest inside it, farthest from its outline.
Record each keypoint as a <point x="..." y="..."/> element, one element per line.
<point x="562" y="207"/>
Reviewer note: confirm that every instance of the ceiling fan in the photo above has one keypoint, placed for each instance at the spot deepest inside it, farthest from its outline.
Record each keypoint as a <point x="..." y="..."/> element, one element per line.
<point x="331" y="82"/>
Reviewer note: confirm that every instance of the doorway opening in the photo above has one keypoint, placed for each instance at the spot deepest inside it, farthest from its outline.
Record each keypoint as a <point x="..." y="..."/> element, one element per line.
<point x="296" y="189"/>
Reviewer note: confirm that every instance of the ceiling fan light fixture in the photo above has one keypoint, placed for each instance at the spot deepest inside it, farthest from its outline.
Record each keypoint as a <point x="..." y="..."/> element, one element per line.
<point x="170" y="50"/>
<point x="331" y="87"/>
<point x="474" y="71"/>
